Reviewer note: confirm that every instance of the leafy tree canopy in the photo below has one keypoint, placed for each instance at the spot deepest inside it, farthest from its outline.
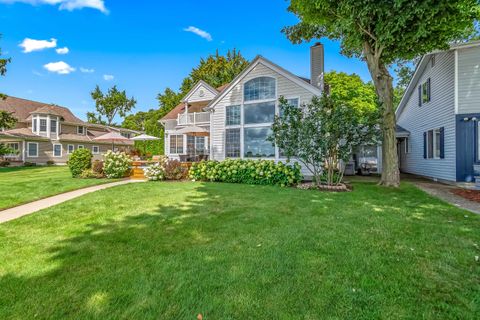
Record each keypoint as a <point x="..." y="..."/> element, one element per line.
<point x="111" y="104"/>
<point x="3" y="68"/>
<point x="7" y="120"/>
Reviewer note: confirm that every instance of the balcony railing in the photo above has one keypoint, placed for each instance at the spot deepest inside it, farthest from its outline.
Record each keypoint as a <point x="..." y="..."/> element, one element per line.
<point x="193" y="118"/>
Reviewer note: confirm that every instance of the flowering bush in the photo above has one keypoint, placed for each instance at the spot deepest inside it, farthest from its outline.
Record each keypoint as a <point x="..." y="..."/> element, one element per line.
<point x="155" y="172"/>
<point x="116" y="164"/>
<point x="265" y="172"/>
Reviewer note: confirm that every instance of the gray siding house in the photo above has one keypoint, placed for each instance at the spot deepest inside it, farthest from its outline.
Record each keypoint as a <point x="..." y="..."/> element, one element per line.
<point x="440" y="111"/>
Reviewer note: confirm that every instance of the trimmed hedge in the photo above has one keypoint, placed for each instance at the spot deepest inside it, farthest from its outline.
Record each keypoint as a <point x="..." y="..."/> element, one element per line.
<point x="80" y="160"/>
<point x="264" y="172"/>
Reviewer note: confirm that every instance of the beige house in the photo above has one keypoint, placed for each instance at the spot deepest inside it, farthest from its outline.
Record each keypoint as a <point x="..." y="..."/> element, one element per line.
<point x="46" y="132"/>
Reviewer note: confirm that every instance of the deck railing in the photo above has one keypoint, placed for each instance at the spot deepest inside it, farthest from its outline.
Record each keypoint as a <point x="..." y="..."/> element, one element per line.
<point x="193" y="118"/>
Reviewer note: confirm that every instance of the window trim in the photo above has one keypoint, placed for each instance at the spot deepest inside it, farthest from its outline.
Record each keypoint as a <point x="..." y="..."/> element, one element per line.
<point x="80" y="146"/>
<point x="83" y="130"/>
<point x="240" y="109"/>
<point x="259" y="100"/>
<point x="434" y="143"/>
<point x="93" y="151"/>
<point x="176" y="144"/>
<point x="28" y="150"/>
<point x="61" y="150"/>
<point x="56" y="125"/>
<point x="40" y="125"/>
<point x="68" y="148"/>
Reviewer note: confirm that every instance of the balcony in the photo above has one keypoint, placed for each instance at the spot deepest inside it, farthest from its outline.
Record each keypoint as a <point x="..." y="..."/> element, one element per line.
<point x="193" y="118"/>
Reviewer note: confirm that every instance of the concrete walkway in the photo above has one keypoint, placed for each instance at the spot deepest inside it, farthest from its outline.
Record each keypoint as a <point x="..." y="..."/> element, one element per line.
<point x="31" y="207"/>
<point x="444" y="192"/>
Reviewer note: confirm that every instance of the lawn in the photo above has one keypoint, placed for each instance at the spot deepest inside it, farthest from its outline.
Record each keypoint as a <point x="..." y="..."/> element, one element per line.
<point x="19" y="185"/>
<point x="174" y="250"/>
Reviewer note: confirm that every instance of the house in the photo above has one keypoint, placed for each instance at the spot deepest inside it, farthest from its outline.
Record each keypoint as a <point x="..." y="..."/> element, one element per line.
<point x="47" y="132"/>
<point x="440" y="113"/>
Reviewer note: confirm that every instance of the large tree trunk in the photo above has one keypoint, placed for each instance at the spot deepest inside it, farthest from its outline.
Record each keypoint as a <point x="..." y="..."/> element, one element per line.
<point x="384" y="88"/>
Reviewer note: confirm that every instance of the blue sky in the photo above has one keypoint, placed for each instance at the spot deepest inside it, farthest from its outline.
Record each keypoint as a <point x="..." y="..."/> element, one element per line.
<point x="141" y="46"/>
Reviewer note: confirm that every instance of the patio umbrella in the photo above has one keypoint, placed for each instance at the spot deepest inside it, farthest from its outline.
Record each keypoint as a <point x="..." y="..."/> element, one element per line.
<point x="194" y="131"/>
<point x="144" y="137"/>
<point x="112" y="137"/>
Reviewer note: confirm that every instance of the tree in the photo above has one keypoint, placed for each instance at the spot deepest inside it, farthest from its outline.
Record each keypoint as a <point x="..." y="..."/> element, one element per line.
<point x="4" y="150"/>
<point x="322" y="135"/>
<point x="113" y="103"/>
<point x="404" y="73"/>
<point x="92" y="117"/>
<point x="7" y="120"/>
<point x="3" y="68"/>
<point x="381" y="33"/>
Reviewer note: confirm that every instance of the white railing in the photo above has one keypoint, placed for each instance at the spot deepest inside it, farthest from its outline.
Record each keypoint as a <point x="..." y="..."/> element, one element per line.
<point x="193" y="118"/>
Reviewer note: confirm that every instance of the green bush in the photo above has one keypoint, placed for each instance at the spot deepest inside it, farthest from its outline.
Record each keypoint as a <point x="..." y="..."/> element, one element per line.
<point x="29" y="164"/>
<point x="80" y="160"/>
<point x="175" y="171"/>
<point x="50" y="163"/>
<point x="265" y="172"/>
<point x="116" y="164"/>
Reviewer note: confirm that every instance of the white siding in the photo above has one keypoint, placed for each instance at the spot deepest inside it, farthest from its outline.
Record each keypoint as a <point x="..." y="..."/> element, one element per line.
<point x="197" y="94"/>
<point x="285" y="87"/>
<point x="469" y="80"/>
<point x="439" y="112"/>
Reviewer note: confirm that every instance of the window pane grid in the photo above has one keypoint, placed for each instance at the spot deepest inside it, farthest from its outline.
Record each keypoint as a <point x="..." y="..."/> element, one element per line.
<point x="259" y="89"/>
<point x="232" y="143"/>
<point x="255" y="113"/>
<point x="232" y="115"/>
<point x="43" y="125"/>
<point x="256" y="144"/>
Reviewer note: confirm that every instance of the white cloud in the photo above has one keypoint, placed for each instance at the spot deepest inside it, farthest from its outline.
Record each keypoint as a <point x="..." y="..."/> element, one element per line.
<point x="86" y="70"/>
<point x="199" y="32"/>
<point x="69" y="5"/>
<point x="108" y="77"/>
<point x="30" y="45"/>
<point x="59" y="67"/>
<point x="63" y="50"/>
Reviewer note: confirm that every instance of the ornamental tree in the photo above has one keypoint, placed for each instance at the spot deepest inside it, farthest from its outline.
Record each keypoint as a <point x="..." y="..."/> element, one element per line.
<point x="381" y="33"/>
<point x="322" y="135"/>
<point x="7" y="120"/>
<point x="113" y="103"/>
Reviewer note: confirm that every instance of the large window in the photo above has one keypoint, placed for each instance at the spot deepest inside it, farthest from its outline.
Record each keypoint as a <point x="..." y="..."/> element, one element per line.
<point x="232" y="143"/>
<point x="176" y="144"/>
<point x="57" y="150"/>
<point x="262" y="88"/>
<point x="256" y="144"/>
<point x="32" y="149"/>
<point x="195" y="145"/>
<point x="232" y="116"/>
<point x="43" y="125"/>
<point x="259" y="112"/>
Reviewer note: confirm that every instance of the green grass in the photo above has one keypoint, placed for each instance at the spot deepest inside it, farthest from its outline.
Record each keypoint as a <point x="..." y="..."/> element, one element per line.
<point x="19" y="185"/>
<point x="174" y="250"/>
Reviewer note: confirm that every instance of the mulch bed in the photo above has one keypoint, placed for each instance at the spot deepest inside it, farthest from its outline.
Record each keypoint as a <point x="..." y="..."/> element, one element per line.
<point x="311" y="186"/>
<point x="472" y="195"/>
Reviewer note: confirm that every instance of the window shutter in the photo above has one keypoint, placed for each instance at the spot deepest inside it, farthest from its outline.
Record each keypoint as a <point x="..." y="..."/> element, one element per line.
<point x="428" y="90"/>
<point x="424" y="145"/>
<point x="442" y="142"/>
<point x="419" y="95"/>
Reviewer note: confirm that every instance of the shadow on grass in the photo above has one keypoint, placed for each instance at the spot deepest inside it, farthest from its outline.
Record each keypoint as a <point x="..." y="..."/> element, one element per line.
<point x="231" y="251"/>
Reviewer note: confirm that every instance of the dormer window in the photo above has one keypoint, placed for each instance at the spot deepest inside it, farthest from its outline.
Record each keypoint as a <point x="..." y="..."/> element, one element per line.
<point x="43" y="125"/>
<point x="53" y="126"/>
<point x="80" y="130"/>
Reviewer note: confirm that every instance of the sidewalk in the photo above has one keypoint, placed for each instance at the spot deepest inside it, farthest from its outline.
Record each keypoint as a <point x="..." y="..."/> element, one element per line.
<point x="25" y="209"/>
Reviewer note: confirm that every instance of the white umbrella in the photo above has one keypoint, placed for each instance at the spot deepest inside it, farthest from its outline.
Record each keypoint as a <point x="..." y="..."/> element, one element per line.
<point x="194" y="131"/>
<point x="144" y="137"/>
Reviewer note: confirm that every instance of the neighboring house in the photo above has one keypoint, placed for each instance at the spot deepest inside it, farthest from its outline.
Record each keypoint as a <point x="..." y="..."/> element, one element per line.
<point x="46" y="132"/>
<point x="440" y="113"/>
<point x="237" y="117"/>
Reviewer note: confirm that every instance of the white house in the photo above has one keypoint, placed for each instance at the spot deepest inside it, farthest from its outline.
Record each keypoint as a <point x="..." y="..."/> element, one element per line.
<point x="440" y="112"/>
<point x="234" y="121"/>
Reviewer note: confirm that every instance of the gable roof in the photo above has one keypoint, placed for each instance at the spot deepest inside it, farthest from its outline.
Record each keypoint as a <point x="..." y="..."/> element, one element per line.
<point x="259" y="59"/>
<point x="421" y="67"/>
<point x="22" y="109"/>
<point x="198" y="85"/>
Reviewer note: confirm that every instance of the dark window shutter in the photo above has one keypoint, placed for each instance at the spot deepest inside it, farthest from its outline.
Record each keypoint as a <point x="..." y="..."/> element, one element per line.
<point x="442" y="142"/>
<point x="424" y="145"/>
<point x="428" y="90"/>
<point x="420" y="95"/>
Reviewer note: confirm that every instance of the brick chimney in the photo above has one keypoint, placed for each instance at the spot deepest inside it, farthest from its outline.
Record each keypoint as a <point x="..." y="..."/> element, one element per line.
<point x="317" y="65"/>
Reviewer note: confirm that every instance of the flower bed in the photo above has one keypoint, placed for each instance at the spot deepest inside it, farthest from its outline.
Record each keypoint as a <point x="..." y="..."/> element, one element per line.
<point x="264" y="172"/>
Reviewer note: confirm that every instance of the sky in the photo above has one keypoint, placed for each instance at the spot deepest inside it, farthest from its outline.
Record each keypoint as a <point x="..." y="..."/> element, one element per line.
<point x="61" y="49"/>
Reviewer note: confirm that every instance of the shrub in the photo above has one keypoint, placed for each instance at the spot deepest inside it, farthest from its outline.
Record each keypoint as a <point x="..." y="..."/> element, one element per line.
<point x="155" y="172"/>
<point x="90" y="174"/>
<point x="116" y="164"/>
<point x="175" y="171"/>
<point x="97" y="167"/>
<point x="29" y="164"/>
<point x="265" y="172"/>
<point x="80" y="160"/>
<point x="4" y="163"/>
<point x="50" y="163"/>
